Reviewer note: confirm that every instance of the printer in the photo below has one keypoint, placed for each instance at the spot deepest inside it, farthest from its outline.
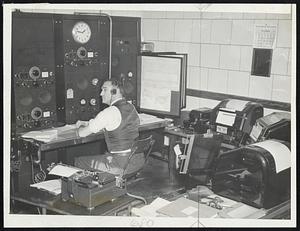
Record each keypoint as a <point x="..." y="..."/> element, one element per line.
<point x="258" y="174"/>
<point x="234" y="120"/>
<point x="276" y="125"/>
<point x="90" y="189"/>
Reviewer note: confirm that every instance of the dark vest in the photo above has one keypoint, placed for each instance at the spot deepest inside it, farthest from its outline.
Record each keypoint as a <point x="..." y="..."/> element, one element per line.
<point x="123" y="136"/>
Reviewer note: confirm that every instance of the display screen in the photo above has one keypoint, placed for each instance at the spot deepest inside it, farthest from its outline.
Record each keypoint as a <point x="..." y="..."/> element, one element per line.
<point x="161" y="85"/>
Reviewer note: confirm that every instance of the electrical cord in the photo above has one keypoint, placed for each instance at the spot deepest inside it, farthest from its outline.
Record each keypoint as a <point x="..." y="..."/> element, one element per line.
<point x="137" y="197"/>
<point x="39" y="176"/>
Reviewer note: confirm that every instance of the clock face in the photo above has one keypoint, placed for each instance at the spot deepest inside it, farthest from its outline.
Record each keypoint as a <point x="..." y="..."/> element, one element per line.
<point x="81" y="32"/>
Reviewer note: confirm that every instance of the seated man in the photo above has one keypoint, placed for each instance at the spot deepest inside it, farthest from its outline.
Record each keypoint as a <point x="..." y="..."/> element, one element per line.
<point x="120" y="123"/>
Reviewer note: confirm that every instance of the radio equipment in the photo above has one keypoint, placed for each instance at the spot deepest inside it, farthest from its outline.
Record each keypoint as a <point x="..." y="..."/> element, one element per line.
<point x="33" y="72"/>
<point x="82" y="62"/>
<point x="125" y="53"/>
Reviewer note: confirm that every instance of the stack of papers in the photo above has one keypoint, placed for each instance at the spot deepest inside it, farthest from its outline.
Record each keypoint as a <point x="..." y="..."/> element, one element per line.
<point x="147" y="119"/>
<point x="45" y="135"/>
<point x="150" y="210"/>
<point x="64" y="171"/>
<point x="51" y="186"/>
<point x="183" y="207"/>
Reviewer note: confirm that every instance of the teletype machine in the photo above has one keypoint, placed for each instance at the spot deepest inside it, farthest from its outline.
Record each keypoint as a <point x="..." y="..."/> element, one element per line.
<point x="88" y="188"/>
<point x="257" y="174"/>
<point x="276" y="125"/>
<point x="234" y="120"/>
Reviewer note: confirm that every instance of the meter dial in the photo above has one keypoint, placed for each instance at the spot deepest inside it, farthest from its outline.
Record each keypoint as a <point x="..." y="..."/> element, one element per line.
<point x="81" y="32"/>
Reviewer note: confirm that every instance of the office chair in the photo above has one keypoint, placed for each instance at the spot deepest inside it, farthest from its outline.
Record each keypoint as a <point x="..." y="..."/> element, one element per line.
<point x="202" y="158"/>
<point x="140" y="146"/>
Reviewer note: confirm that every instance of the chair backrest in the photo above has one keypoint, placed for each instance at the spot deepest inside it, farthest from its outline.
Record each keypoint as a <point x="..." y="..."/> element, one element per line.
<point x="143" y="146"/>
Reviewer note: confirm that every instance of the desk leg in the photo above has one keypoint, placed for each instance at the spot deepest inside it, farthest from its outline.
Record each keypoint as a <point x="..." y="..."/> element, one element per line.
<point x="172" y="159"/>
<point x="44" y="211"/>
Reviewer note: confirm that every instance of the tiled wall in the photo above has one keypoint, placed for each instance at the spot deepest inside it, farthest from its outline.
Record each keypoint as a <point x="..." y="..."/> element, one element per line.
<point x="219" y="46"/>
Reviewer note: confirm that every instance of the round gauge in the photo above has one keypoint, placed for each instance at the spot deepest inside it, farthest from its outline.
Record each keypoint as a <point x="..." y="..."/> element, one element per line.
<point x="81" y="32"/>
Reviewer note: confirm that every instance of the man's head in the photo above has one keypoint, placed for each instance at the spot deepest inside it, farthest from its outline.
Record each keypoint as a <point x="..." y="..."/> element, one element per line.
<point x="111" y="90"/>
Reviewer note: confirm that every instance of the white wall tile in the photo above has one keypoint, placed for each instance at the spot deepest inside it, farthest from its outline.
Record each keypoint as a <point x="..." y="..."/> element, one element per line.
<point x="284" y="16"/>
<point x="205" y="31"/>
<point x="127" y="13"/>
<point x="254" y="16"/>
<point x="284" y="38"/>
<point x="217" y="80"/>
<point x="159" y="46"/>
<point x="193" y="81"/>
<point x="177" y="47"/>
<point x="231" y="15"/>
<point x="192" y="103"/>
<point x="238" y="83"/>
<point x="149" y="29"/>
<point x="166" y="30"/>
<point x="230" y="57"/>
<point x="242" y="32"/>
<point x="246" y="58"/>
<point x="183" y="30"/>
<point x="210" y="55"/>
<point x="203" y="78"/>
<point x="268" y="111"/>
<point x="221" y="31"/>
<point x="280" y="61"/>
<point x="174" y="14"/>
<point x="266" y="22"/>
<point x="193" y="54"/>
<point x="210" y="103"/>
<point x="154" y="14"/>
<point x="260" y="87"/>
<point x="196" y="31"/>
<point x="192" y="15"/>
<point x="281" y="88"/>
<point x="289" y="63"/>
<point x="211" y="15"/>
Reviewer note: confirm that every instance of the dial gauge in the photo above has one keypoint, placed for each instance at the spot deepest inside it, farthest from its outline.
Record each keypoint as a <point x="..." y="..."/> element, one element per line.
<point x="81" y="32"/>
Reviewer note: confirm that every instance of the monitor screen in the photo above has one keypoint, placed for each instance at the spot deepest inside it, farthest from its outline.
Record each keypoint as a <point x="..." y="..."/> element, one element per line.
<point x="160" y="85"/>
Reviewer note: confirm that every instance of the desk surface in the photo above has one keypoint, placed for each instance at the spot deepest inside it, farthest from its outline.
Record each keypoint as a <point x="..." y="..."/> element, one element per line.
<point x="71" y="139"/>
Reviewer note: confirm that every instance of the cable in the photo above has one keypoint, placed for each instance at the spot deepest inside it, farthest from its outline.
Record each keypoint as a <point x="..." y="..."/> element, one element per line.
<point x="137" y="197"/>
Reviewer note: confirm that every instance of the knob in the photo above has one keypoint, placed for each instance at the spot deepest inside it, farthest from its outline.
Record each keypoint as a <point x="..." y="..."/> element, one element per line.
<point x="82" y="101"/>
<point x="35" y="73"/>
<point x="130" y="74"/>
<point x="37" y="113"/>
<point x="93" y="102"/>
<point x="95" y="81"/>
<point x="82" y="52"/>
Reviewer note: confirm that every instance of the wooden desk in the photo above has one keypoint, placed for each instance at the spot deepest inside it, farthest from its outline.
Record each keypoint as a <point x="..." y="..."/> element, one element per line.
<point x="61" y="141"/>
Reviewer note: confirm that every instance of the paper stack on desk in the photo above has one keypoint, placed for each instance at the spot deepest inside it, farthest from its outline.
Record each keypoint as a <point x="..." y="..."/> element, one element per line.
<point x="147" y="119"/>
<point x="63" y="170"/>
<point x="51" y="186"/>
<point x="183" y="207"/>
<point x="44" y="135"/>
<point x="150" y="210"/>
